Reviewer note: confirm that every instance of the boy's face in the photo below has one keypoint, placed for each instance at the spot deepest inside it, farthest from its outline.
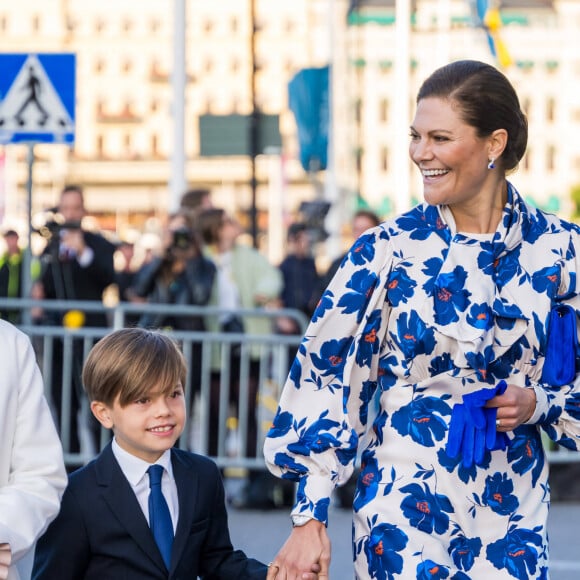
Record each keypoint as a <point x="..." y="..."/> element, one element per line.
<point x="146" y="427"/>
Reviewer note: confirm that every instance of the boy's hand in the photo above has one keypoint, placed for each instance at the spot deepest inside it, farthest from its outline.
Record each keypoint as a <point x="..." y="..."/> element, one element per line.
<point x="304" y="556"/>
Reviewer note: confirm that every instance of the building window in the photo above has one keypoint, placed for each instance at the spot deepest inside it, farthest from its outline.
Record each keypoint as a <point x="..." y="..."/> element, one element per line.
<point x="207" y="26"/>
<point x="526" y="106"/>
<point x="100" y="25"/>
<point x="385" y="159"/>
<point x="235" y="66"/>
<point x="127" y="25"/>
<point x="100" y="146"/>
<point x="36" y="23"/>
<point x="154" y="25"/>
<point x="155" y="146"/>
<point x="551" y="158"/>
<point x="4" y="23"/>
<point x="526" y="161"/>
<point x="358" y="159"/>
<point x="384" y="110"/>
<point x="127" y="66"/>
<point x="154" y="107"/>
<point x="234" y="25"/>
<point x="550" y="109"/>
<point x="208" y="65"/>
<point x="99" y="65"/>
<point x="358" y="110"/>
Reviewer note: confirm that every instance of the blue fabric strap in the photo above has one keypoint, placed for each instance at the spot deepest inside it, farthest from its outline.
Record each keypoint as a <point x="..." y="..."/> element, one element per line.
<point x="159" y="516"/>
<point x="562" y="347"/>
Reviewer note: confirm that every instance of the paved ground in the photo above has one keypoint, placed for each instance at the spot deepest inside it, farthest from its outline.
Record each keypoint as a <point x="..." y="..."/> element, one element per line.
<point x="260" y="534"/>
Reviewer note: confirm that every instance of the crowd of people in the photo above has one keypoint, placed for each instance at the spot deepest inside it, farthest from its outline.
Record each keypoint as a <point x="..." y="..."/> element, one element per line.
<point x="442" y="347"/>
<point x="200" y="261"/>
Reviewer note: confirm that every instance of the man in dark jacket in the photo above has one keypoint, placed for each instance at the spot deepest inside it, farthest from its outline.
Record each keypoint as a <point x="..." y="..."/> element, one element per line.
<point x="75" y="265"/>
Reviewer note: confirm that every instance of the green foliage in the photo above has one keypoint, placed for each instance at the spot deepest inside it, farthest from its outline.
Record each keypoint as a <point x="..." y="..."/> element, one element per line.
<point x="575" y="194"/>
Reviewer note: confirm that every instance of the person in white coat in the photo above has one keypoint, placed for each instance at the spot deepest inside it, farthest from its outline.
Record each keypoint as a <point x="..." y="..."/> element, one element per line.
<point x="32" y="472"/>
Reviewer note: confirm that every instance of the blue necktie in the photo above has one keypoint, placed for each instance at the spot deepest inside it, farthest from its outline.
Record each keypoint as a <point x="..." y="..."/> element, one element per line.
<point x="159" y="516"/>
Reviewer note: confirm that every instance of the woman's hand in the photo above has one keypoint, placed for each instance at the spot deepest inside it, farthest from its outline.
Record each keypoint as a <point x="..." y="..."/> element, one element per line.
<point x="304" y="556"/>
<point x="514" y="407"/>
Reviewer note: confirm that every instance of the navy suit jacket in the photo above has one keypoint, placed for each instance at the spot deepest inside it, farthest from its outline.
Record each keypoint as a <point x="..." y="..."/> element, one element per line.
<point x="101" y="532"/>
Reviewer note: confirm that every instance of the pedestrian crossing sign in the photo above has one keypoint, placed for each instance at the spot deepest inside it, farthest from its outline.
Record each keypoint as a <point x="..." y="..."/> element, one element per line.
<point x="37" y="98"/>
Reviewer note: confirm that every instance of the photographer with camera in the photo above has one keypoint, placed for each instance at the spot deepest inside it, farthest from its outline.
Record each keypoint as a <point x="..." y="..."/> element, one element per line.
<point x="75" y="265"/>
<point x="181" y="275"/>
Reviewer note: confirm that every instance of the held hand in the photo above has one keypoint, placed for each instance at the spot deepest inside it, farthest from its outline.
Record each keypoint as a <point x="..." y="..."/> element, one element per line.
<point x="473" y="429"/>
<point x="514" y="407"/>
<point x="304" y="556"/>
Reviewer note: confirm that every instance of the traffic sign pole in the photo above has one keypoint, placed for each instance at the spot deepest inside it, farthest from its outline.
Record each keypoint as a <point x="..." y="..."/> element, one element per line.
<point x="37" y="105"/>
<point x="27" y="257"/>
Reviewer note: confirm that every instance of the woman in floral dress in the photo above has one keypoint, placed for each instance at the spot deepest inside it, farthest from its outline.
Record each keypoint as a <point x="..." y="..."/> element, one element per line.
<point x="449" y="299"/>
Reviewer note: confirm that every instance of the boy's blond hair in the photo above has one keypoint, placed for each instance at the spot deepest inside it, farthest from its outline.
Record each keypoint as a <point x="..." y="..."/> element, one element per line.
<point x="129" y="362"/>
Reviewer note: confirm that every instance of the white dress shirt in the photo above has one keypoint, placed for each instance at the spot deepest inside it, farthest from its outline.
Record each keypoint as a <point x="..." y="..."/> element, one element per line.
<point x="135" y="470"/>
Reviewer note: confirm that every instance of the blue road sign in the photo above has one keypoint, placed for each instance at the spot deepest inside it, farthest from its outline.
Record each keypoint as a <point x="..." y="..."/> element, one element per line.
<point x="37" y="98"/>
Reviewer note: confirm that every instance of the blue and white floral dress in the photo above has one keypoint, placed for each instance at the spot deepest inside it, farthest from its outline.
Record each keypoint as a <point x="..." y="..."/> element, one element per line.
<point x="417" y="316"/>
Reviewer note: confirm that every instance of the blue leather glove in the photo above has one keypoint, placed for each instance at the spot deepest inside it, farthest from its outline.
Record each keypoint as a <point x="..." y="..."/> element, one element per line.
<point x="472" y="429"/>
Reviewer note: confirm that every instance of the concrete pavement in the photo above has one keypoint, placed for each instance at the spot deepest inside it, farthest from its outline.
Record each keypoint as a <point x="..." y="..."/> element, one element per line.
<point x="261" y="533"/>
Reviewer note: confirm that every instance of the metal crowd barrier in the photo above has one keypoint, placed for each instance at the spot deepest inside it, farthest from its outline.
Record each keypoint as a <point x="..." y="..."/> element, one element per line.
<point x="272" y="351"/>
<point x="275" y="354"/>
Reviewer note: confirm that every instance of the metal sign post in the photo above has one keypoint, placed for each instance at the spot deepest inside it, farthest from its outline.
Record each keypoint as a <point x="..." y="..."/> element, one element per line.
<point x="37" y="105"/>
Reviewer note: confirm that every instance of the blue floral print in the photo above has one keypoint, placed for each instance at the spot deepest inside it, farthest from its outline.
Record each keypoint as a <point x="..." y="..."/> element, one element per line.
<point x="382" y="547"/>
<point x="425" y="510"/>
<point x="517" y="552"/>
<point x="418" y="316"/>
<point x="464" y="551"/>
<point x="498" y="494"/>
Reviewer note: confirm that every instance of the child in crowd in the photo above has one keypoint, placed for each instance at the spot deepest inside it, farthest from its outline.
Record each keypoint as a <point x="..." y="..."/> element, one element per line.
<point x="111" y="524"/>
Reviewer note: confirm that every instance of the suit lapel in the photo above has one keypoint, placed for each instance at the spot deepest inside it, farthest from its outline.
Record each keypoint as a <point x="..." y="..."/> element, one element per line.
<point x="119" y="496"/>
<point x="186" y="481"/>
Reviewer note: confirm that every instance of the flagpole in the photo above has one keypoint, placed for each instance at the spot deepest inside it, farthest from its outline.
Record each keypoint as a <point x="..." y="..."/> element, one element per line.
<point x="27" y="255"/>
<point x="443" y="32"/>
<point x="330" y="183"/>
<point x="177" y="181"/>
<point x="401" y="106"/>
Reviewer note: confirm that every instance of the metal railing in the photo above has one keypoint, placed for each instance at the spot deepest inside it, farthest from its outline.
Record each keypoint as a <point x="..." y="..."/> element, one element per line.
<point x="274" y="354"/>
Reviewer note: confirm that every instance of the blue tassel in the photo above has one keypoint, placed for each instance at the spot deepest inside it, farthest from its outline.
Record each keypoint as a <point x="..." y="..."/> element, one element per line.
<point x="561" y="348"/>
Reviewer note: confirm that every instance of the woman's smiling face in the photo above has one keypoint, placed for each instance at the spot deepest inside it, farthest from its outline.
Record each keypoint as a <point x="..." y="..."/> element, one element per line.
<point x="451" y="157"/>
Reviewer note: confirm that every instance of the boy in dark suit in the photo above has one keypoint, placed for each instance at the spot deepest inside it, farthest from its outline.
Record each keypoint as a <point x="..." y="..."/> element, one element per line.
<point x="134" y="380"/>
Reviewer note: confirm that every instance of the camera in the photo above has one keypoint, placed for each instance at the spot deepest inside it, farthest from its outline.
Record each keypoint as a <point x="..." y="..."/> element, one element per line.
<point x="182" y="239"/>
<point x="52" y="227"/>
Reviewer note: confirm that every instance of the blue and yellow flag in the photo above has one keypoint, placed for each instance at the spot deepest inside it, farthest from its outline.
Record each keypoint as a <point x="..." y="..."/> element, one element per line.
<point x="490" y="19"/>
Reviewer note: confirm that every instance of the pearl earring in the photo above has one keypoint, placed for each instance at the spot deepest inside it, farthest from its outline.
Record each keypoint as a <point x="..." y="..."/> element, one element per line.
<point x="491" y="164"/>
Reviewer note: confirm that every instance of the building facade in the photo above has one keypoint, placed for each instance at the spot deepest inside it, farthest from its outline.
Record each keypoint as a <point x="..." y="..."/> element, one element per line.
<point x="124" y="124"/>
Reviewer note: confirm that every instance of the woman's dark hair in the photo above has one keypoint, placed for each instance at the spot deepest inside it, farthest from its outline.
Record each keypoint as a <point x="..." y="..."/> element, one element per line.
<point x="208" y="223"/>
<point x="487" y="102"/>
